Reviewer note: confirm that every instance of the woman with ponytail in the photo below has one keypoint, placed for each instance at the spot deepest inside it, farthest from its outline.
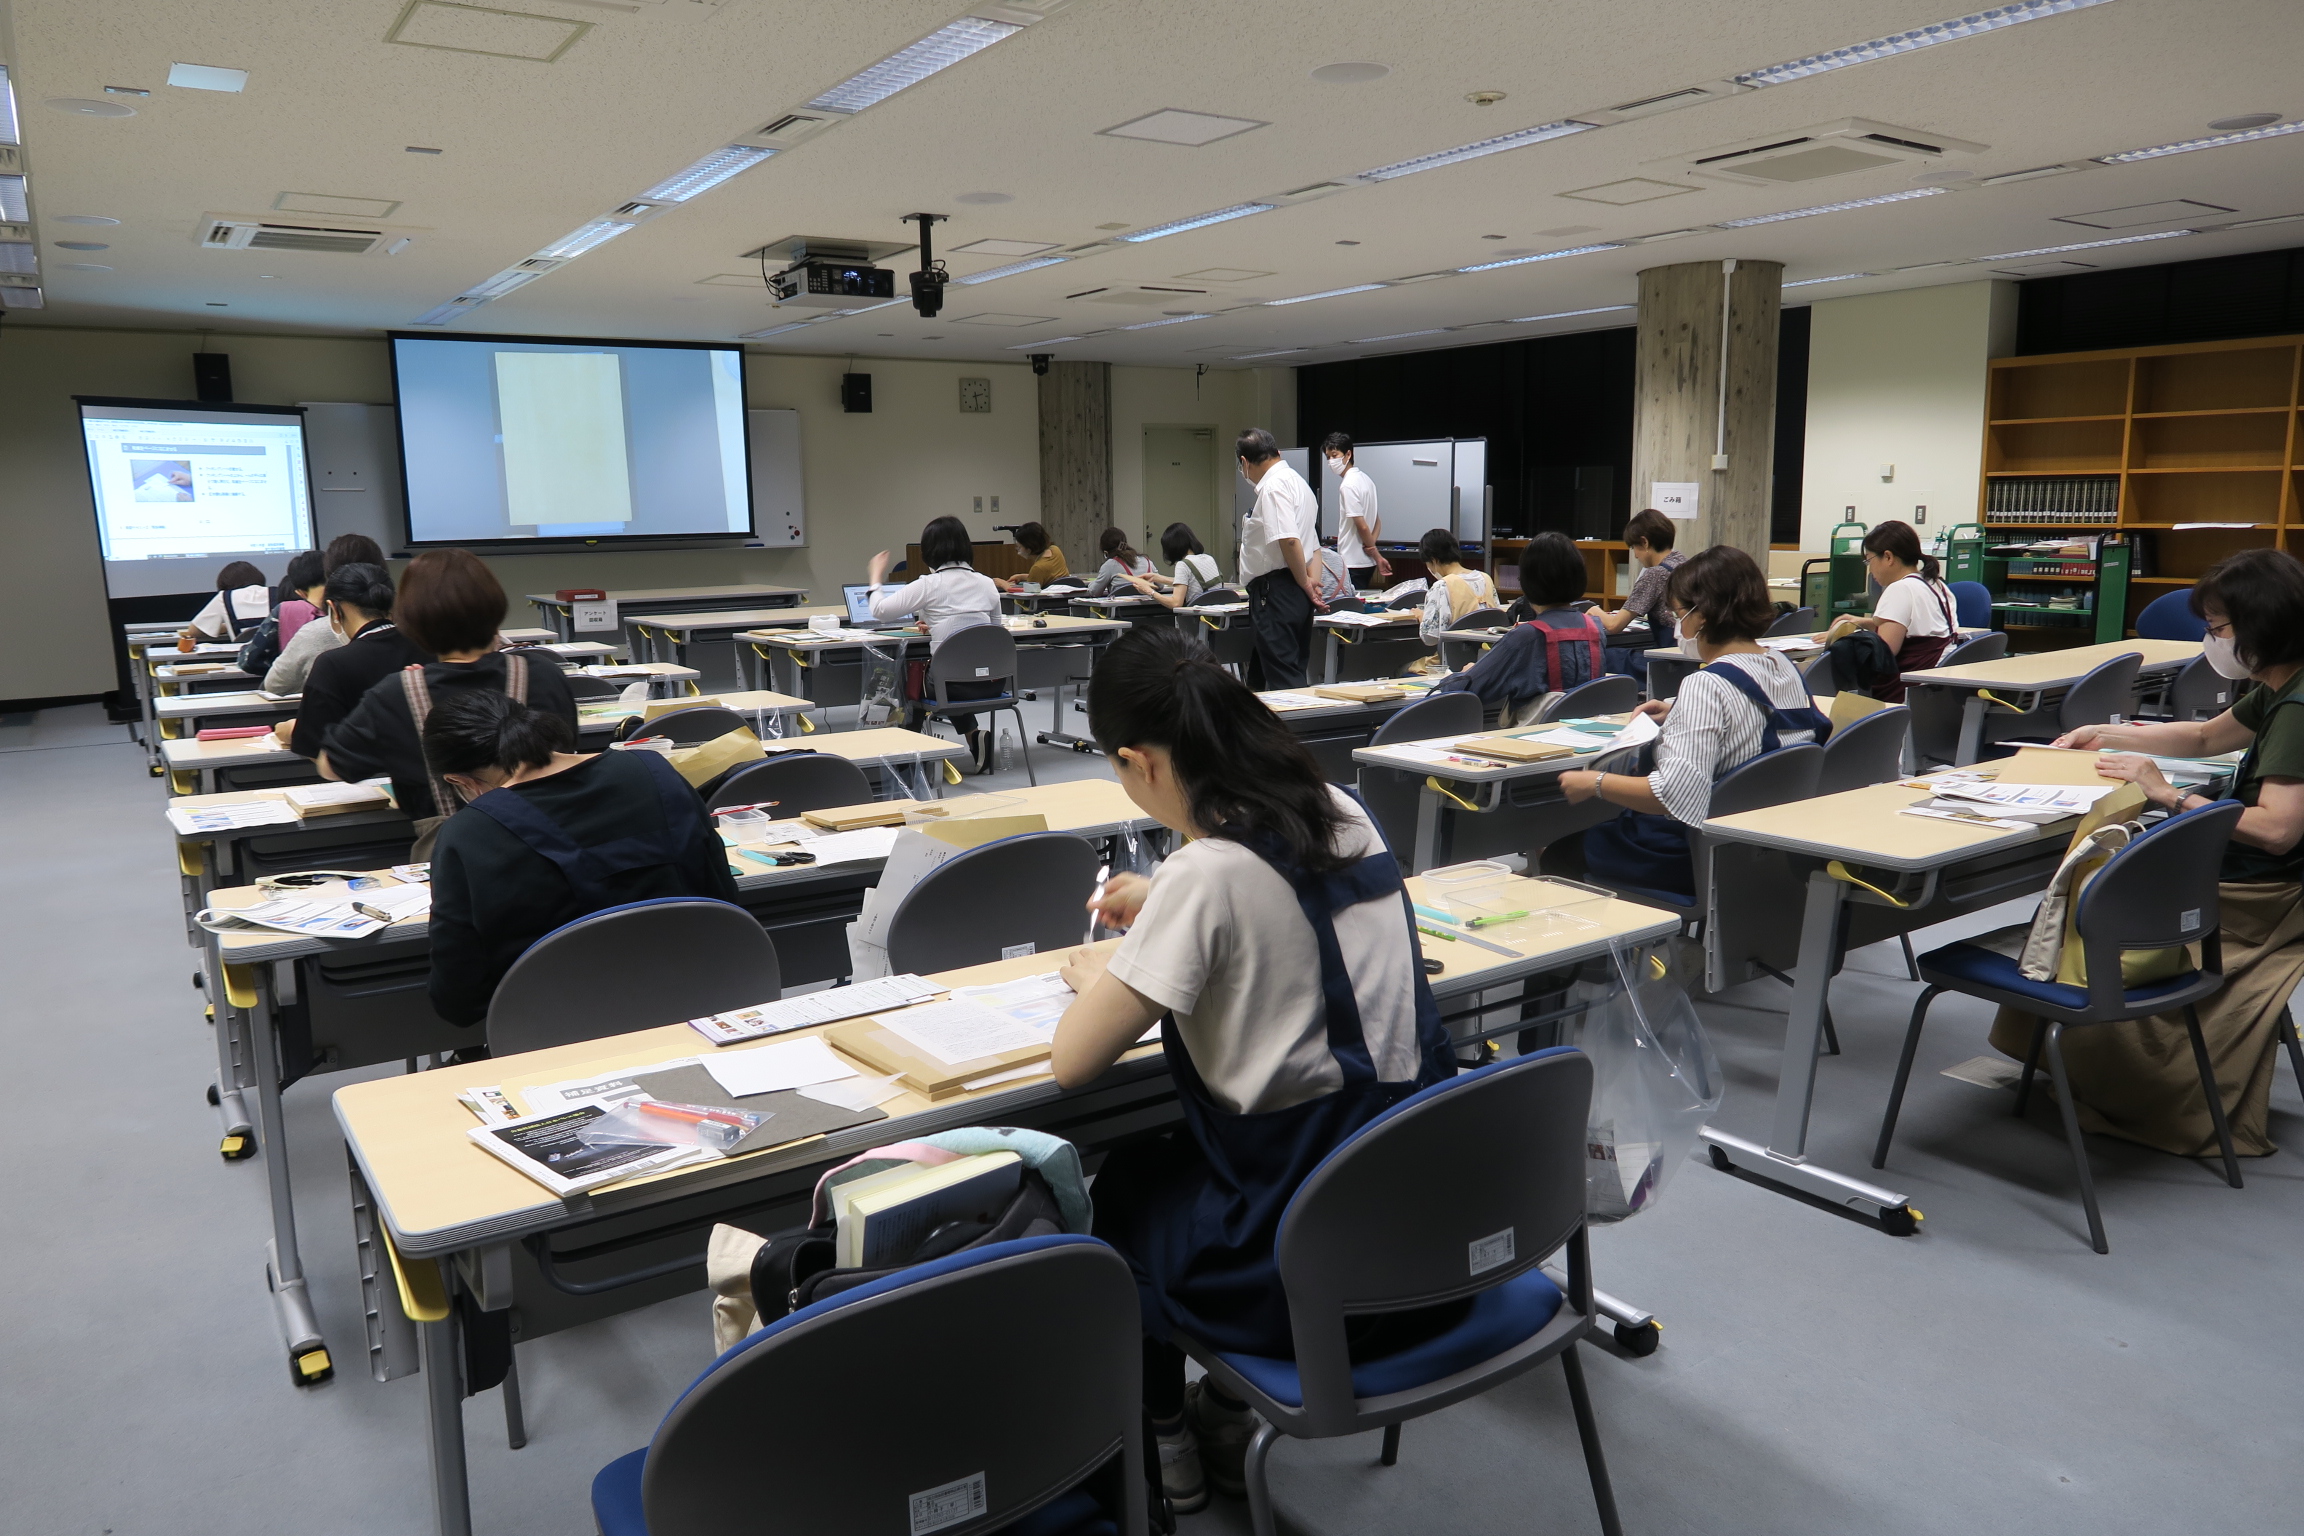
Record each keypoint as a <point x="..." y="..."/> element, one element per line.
<point x="545" y="837"/>
<point x="1276" y="952"/>
<point x="1915" y="614"/>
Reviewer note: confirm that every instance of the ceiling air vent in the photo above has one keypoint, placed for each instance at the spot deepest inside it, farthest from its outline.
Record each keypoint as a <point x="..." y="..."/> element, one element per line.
<point x="790" y="129"/>
<point x="226" y="232"/>
<point x="1812" y="154"/>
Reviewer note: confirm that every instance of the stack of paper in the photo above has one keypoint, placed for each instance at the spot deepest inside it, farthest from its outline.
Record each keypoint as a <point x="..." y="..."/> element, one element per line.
<point x="331" y="799"/>
<point x="193" y="821"/>
<point x="826" y="1007"/>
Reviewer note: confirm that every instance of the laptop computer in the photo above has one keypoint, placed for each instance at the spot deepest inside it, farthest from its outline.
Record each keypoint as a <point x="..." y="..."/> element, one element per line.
<point x="858" y="596"/>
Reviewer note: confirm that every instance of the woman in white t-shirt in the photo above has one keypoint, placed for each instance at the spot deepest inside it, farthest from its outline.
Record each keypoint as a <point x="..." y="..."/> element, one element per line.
<point x="243" y="598"/>
<point x="1195" y="569"/>
<point x="1915" y="614"/>
<point x="1276" y="953"/>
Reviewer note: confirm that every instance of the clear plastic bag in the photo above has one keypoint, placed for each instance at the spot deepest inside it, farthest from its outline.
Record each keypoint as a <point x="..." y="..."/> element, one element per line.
<point x="646" y="1122"/>
<point x="880" y="694"/>
<point x="1655" y="1081"/>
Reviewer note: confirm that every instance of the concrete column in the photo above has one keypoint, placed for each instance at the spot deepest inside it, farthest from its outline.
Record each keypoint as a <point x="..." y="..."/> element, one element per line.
<point x="1076" y="458"/>
<point x="1677" y="394"/>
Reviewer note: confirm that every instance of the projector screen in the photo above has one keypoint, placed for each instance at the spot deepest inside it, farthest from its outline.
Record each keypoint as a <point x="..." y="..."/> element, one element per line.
<point x="183" y="490"/>
<point x="504" y="440"/>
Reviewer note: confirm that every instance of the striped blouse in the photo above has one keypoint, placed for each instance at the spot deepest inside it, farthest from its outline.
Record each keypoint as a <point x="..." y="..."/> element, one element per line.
<point x="1713" y="728"/>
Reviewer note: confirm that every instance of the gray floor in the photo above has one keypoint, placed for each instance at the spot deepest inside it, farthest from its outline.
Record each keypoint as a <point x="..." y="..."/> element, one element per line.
<point x="1989" y="1375"/>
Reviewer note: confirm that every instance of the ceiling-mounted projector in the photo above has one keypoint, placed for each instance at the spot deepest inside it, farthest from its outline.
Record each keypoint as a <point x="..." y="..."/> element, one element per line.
<point x="831" y="275"/>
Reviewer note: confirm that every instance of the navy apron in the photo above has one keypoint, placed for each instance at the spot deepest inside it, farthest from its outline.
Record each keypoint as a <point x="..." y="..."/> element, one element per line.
<point x="588" y="870"/>
<point x="1198" y="1220"/>
<point x="1644" y="851"/>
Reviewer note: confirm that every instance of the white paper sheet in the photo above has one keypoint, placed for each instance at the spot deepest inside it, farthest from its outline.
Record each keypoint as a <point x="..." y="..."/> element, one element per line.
<point x="193" y="822"/>
<point x="772" y="1068"/>
<point x="958" y="1031"/>
<point x="2070" y="799"/>
<point x="854" y="847"/>
<point x="858" y="1093"/>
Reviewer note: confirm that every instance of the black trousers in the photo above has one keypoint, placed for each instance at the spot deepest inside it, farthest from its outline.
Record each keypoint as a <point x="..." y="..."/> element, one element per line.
<point x="1363" y="577"/>
<point x="1281" y="614"/>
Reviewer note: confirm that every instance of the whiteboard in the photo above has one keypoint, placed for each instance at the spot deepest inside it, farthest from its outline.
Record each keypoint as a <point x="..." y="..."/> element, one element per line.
<point x="1439" y="483"/>
<point x="354" y="451"/>
<point x="779" y="511"/>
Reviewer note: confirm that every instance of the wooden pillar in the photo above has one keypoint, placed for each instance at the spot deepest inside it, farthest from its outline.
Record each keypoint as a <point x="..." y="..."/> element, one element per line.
<point x="1076" y="458"/>
<point x="1676" y="421"/>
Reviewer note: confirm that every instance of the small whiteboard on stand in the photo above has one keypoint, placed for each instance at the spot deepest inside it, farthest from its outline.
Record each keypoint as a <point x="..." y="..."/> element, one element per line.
<point x="779" y="518"/>
<point x="1674" y="498"/>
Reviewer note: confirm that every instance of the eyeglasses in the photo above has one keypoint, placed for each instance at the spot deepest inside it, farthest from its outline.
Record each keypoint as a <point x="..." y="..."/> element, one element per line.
<point x="2221" y="631"/>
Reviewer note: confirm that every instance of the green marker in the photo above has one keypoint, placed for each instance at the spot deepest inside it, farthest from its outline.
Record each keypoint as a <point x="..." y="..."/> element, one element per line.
<point x="1501" y="917"/>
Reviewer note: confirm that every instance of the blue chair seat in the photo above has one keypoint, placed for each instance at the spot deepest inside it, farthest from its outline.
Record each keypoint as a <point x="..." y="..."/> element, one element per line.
<point x="1971" y="965"/>
<point x="616" y="1506"/>
<point x="1501" y="1316"/>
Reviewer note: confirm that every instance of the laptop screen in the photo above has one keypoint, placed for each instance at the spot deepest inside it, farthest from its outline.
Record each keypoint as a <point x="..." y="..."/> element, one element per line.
<point x="858" y="596"/>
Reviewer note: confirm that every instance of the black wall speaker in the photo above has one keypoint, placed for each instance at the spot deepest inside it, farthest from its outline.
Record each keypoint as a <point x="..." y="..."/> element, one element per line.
<point x="212" y="375"/>
<point x="856" y="392"/>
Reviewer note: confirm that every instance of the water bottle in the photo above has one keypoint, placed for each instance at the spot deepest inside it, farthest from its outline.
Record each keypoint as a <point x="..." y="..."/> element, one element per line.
<point x="1007" y="758"/>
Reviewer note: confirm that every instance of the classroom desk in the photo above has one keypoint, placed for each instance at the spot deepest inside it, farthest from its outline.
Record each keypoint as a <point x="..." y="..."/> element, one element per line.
<point x="1333" y="729"/>
<point x="184" y="711"/>
<point x="1524" y="797"/>
<point x="2039" y="678"/>
<point x="1933" y="870"/>
<point x="667" y="636"/>
<point x="361" y="1002"/>
<point x="1134" y="607"/>
<point x="562" y="615"/>
<point x="436" y="1215"/>
<point x="827" y="669"/>
<point x="152" y="667"/>
<point x="1356" y="648"/>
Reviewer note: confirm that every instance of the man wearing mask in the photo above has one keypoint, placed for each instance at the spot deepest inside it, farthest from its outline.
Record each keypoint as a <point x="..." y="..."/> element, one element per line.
<point x="354" y="604"/>
<point x="1275" y="549"/>
<point x="1357" y="524"/>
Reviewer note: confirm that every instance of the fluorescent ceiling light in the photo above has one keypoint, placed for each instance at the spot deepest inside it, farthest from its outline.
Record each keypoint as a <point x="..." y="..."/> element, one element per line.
<point x="12" y="200"/>
<point x="1809" y="213"/>
<point x="1010" y="270"/>
<point x="1306" y="298"/>
<point x="2186" y="146"/>
<point x="1147" y="325"/>
<point x="2090" y="245"/>
<point x="1907" y="42"/>
<point x="1438" y="330"/>
<point x="442" y="314"/>
<point x="1201" y="221"/>
<point x="1569" y="314"/>
<point x="588" y="237"/>
<point x="207" y="77"/>
<point x="940" y="49"/>
<point x="1461" y="153"/>
<point x="706" y="174"/>
<point x="1521" y="261"/>
<point x="1810" y="282"/>
<point x="7" y="108"/>
<point x="1050" y="341"/>
<point x="1249" y="357"/>
<point x="774" y="330"/>
<point x="499" y="285"/>
<point x="2278" y="218"/>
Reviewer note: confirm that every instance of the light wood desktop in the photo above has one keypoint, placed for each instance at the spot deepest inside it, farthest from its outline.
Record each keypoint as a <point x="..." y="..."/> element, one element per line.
<point x="2025" y="681"/>
<point x="794" y="660"/>
<point x="1393" y="631"/>
<point x="668" y="635"/>
<point x="1442" y="796"/>
<point x="560" y="613"/>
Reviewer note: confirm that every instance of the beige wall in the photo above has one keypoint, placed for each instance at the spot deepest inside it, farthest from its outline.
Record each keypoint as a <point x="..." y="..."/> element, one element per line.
<point x="871" y="480"/>
<point x="1898" y="378"/>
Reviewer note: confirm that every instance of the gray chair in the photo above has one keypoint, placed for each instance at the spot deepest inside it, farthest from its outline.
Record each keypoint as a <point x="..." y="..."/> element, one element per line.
<point x="1800" y="621"/>
<point x="984" y="655"/>
<point x="633" y="967"/>
<point x="2199" y="692"/>
<point x="1384" y="1226"/>
<point x="1989" y="647"/>
<point x="1390" y="793"/>
<point x="582" y="688"/>
<point x="685" y="727"/>
<point x="1819" y="678"/>
<point x="2156" y="893"/>
<point x="1481" y="618"/>
<point x="1610" y="695"/>
<point x="1871" y="751"/>
<point x="1772" y="778"/>
<point x="1032" y="889"/>
<point x="2104" y="692"/>
<point x="1043" y="1330"/>
<point x="794" y="783"/>
<point x="1936" y="711"/>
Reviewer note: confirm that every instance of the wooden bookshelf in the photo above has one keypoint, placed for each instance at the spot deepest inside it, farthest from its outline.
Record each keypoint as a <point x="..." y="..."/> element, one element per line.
<point x="2211" y="432"/>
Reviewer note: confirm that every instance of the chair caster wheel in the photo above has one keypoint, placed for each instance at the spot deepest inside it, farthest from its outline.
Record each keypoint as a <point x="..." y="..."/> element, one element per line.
<point x="199" y="982"/>
<point x="311" y="1367"/>
<point x="1720" y="1160"/>
<point x="237" y="1148"/>
<point x="214" y="1098"/>
<point x="1901" y="1221"/>
<point x="1640" y="1342"/>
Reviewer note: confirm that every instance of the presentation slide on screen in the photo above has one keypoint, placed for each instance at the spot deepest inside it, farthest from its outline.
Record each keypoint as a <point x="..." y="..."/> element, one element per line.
<point x="191" y="485"/>
<point x="509" y="439"/>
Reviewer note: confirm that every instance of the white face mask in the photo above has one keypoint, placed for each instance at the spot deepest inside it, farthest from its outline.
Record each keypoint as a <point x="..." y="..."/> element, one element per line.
<point x="2224" y="655"/>
<point x="1336" y="466"/>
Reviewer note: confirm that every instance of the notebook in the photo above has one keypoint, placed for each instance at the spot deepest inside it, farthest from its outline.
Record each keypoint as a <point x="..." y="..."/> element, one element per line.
<point x="883" y="1218"/>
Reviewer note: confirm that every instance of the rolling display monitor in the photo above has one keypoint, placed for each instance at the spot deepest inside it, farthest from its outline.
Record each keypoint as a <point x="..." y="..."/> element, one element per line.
<point x="182" y="490"/>
<point x="507" y="440"/>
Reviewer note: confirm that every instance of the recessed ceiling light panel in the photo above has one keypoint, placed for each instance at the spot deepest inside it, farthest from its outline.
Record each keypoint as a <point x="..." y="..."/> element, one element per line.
<point x="1809" y="213"/>
<point x="1521" y="261"/>
<point x="1570" y="314"/>
<point x="1845" y="277"/>
<point x="1929" y="36"/>
<point x="2186" y="146"/>
<point x="2090" y="245"/>
<point x="706" y="173"/>
<point x="207" y="77"/>
<point x="939" y="50"/>
<point x="1146" y="325"/>
<point x="81" y="218"/>
<point x="1326" y="293"/>
<point x="1198" y="221"/>
<point x="1463" y="152"/>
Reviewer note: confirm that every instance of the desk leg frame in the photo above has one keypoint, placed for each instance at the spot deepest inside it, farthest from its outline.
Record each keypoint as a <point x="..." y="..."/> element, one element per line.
<point x="1783" y="1162"/>
<point x="443" y="1348"/>
<point x="308" y="1360"/>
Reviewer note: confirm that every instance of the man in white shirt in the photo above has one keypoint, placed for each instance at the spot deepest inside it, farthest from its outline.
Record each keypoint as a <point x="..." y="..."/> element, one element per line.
<point x="1357" y="525"/>
<point x="1275" y="544"/>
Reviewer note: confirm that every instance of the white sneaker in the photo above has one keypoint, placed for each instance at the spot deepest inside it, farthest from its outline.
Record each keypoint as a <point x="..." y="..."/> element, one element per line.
<point x="1181" y="1477"/>
<point x="1223" y="1433"/>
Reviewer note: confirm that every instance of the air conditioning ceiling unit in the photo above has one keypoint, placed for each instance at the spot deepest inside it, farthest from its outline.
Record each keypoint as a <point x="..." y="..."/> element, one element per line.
<point x="1812" y="154"/>
<point x="243" y="232"/>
